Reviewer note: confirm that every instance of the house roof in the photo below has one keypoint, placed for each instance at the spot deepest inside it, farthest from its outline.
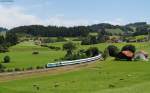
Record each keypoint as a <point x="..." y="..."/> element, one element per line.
<point x="128" y="53"/>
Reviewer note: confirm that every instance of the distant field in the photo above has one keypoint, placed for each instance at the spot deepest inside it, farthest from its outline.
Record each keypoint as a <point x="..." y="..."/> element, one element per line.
<point x="102" y="46"/>
<point x="22" y="57"/>
<point x="115" y="31"/>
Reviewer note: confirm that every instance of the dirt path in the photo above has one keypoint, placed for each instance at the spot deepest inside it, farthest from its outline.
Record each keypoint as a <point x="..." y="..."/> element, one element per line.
<point x="4" y="77"/>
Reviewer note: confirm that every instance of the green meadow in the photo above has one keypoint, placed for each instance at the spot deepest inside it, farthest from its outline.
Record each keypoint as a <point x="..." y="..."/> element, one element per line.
<point x="101" y="77"/>
<point x="108" y="76"/>
<point x="22" y="57"/>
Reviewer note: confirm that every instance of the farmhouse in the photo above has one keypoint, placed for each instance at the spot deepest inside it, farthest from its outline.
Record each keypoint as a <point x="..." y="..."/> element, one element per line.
<point x="125" y="55"/>
<point x="142" y="55"/>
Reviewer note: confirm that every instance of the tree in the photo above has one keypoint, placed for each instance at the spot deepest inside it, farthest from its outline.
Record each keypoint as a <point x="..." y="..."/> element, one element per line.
<point x="89" y="40"/>
<point x="2" y="40"/>
<point x="92" y="51"/>
<point x="2" y="68"/>
<point x="69" y="47"/>
<point x="148" y="35"/>
<point x="11" y="38"/>
<point x="113" y="50"/>
<point x="6" y="59"/>
<point x="105" y="54"/>
<point x="52" y="31"/>
<point x="129" y="48"/>
<point x="102" y="36"/>
<point x="60" y="39"/>
<point x="3" y="48"/>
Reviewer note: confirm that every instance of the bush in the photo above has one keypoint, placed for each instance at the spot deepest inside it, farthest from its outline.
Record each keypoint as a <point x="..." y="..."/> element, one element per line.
<point x="113" y="50"/>
<point x="3" y="49"/>
<point x="35" y="53"/>
<point x="129" y="48"/>
<point x="30" y="68"/>
<point x="89" y="40"/>
<point x="6" y="59"/>
<point x="2" y="68"/>
<point x="60" y="39"/>
<point x="17" y="69"/>
<point x="55" y="48"/>
<point x="93" y="51"/>
<point x="10" y="70"/>
<point x="69" y="47"/>
<point x="39" y="67"/>
<point x="105" y="54"/>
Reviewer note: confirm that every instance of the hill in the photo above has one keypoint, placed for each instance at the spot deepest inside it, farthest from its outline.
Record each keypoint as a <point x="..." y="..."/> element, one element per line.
<point x="100" y="77"/>
<point x="3" y="29"/>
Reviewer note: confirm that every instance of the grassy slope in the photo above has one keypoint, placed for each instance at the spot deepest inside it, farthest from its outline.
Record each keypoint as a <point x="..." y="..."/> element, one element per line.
<point x="102" y="46"/>
<point x="21" y="54"/>
<point x="114" y="31"/>
<point x="102" y="77"/>
<point x="22" y="57"/>
<point x="125" y="77"/>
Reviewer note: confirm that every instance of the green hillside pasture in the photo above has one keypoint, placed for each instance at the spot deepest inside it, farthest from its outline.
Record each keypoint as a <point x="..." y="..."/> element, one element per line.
<point x="140" y="46"/>
<point x="60" y="44"/>
<point x="115" y="31"/>
<point x="101" y="77"/>
<point x="22" y="57"/>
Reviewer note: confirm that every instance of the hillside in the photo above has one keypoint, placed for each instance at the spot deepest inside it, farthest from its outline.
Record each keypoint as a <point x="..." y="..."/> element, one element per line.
<point x="3" y="29"/>
<point x="100" y="77"/>
<point x="54" y="31"/>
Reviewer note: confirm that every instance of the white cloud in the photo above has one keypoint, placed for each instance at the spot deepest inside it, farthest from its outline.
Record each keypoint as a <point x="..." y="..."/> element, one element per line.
<point x="15" y="16"/>
<point x="117" y="21"/>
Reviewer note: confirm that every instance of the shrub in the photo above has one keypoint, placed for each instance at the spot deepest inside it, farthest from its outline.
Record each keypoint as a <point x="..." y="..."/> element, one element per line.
<point x="3" y="49"/>
<point x="10" y="70"/>
<point x="89" y="40"/>
<point x="69" y="47"/>
<point x="39" y="67"/>
<point x="113" y="50"/>
<point x="30" y="68"/>
<point x="105" y="54"/>
<point x="129" y="48"/>
<point x="17" y="69"/>
<point x="2" y="68"/>
<point x="92" y="51"/>
<point x="53" y="47"/>
<point x="35" y="53"/>
<point x="6" y="59"/>
<point x="60" y="39"/>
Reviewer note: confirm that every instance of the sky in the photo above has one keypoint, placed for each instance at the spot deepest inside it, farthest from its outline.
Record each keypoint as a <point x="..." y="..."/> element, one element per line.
<point x="72" y="12"/>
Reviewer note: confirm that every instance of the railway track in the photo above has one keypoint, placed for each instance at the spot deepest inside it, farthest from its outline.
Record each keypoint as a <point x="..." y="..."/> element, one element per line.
<point x="53" y="70"/>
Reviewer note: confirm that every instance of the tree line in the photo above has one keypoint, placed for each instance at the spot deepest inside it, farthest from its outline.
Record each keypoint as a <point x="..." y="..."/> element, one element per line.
<point x="52" y="31"/>
<point x="139" y="28"/>
<point x="6" y="41"/>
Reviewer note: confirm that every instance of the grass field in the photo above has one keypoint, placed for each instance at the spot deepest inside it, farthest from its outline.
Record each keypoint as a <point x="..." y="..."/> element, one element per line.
<point x="101" y="77"/>
<point x="22" y="57"/>
<point x="114" y="31"/>
<point x="140" y="46"/>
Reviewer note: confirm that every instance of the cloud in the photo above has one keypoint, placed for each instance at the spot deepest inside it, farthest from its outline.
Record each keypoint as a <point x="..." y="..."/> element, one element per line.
<point x="117" y="21"/>
<point x="15" y="16"/>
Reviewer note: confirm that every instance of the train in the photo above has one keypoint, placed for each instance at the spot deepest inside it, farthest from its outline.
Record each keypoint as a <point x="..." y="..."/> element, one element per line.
<point x="73" y="62"/>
